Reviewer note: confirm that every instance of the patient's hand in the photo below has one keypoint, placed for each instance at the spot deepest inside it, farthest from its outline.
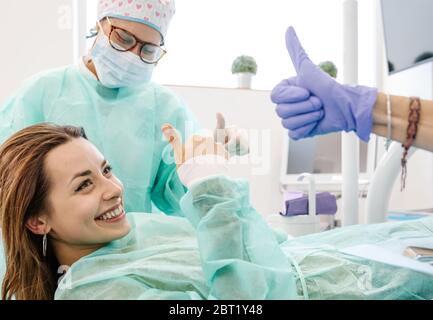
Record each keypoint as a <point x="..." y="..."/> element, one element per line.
<point x="195" y="146"/>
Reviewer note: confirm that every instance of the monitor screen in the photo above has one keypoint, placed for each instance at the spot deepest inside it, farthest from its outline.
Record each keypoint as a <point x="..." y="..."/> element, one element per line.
<point x="321" y="155"/>
<point x="408" y="30"/>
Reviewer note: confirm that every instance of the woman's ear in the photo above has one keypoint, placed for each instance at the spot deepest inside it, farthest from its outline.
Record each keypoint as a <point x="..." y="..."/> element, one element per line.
<point x="38" y="225"/>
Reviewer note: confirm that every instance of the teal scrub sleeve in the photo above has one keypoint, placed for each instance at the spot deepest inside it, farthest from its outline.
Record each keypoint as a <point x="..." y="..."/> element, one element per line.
<point x="168" y="189"/>
<point x="22" y="109"/>
<point x="240" y="255"/>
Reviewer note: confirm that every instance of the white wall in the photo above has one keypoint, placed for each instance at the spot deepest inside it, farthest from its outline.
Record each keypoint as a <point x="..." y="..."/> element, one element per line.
<point x="253" y="110"/>
<point x="36" y="35"/>
<point x="205" y="37"/>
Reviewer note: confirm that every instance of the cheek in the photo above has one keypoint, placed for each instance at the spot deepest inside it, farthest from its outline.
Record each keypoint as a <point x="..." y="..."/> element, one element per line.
<point x="74" y="217"/>
<point x="85" y="209"/>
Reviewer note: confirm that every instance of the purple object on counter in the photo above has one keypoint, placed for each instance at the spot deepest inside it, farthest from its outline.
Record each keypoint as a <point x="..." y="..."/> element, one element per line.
<point x="297" y="203"/>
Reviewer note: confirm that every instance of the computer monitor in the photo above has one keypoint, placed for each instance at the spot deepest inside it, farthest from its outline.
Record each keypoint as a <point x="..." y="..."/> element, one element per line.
<point x="321" y="156"/>
<point x="407" y="26"/>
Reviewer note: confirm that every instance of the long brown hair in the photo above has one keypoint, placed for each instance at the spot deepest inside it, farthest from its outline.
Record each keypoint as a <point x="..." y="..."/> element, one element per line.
<point x="23" y="194"/>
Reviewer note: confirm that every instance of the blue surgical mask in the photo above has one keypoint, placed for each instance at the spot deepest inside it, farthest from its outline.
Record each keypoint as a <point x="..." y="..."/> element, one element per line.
<point x="117" y="69"/>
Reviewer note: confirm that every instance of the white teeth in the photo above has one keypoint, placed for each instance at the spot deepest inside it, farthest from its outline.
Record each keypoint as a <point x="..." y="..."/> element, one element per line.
<point x="112" y="214"/>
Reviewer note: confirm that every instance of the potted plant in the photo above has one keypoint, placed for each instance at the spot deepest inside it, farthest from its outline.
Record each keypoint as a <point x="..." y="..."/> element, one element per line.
<point x="329" y="67"/>
<point x="244" y="67"/>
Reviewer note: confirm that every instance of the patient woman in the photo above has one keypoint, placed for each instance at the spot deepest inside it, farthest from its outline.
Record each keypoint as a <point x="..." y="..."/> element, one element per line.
<point x="66" y="235"/>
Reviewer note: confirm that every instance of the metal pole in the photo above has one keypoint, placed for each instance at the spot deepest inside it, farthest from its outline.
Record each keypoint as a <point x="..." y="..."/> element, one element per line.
<point x="350" y="142"/>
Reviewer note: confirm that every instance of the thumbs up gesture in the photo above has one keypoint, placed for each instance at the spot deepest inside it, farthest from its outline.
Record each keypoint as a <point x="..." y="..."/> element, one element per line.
<point x="313" y="103"/>
<point x="234" y="139"/>
<point x="195" y="146"/>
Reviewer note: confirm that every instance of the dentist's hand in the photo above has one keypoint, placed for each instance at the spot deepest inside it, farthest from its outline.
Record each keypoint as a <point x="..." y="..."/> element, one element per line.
<point x="313" y="103"/>
<point x="234" y="139"/>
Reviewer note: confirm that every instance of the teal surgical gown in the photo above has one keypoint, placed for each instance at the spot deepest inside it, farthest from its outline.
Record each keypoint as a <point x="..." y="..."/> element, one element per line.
<point x="223" y="249"/>
<point x="124" y="124"/>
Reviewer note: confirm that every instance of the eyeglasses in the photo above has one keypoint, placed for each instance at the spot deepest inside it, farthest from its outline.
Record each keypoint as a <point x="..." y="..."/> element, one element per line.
<point x="122" y="40"/>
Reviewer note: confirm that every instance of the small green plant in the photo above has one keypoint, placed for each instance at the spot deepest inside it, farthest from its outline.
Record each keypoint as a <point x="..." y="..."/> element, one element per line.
<point x="244" y="64"/>
<point x="329" y="67"/>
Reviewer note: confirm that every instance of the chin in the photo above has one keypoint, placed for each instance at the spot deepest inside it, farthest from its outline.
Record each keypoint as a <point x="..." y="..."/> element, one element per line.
<point x="123" y="231"/>
<point x="117" y="233"/>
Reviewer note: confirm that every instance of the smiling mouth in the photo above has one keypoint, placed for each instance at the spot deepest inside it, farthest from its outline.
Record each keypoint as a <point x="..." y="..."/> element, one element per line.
<point x="113" y="215"/>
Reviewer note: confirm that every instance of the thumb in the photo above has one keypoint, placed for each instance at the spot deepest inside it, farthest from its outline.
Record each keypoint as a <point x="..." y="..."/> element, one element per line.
<point x="173" y="137"/>
<point x="219" y="133"/>
<point x="295" y="49"/>
<point x="221" y="122"/>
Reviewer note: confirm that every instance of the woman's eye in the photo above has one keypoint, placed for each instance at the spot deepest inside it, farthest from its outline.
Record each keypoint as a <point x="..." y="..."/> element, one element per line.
<point x="108" y="169"/>
<point x="83" y="185"/>
<point x="122" y="37"/>
<point x="126" y="40"/>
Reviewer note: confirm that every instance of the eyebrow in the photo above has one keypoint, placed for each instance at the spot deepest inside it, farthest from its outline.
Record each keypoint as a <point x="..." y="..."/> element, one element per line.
<point x="86" y="173"/>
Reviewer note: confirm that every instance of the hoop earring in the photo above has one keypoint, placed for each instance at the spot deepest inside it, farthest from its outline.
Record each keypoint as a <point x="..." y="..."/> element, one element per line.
<point x="44" y="245"/>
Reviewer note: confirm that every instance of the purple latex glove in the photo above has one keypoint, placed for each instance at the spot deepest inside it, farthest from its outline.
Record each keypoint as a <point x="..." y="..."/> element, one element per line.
<point x="313" y="103"/>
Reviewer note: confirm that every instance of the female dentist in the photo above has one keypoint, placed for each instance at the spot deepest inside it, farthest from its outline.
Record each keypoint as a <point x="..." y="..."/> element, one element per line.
<point x="111" y="96"/>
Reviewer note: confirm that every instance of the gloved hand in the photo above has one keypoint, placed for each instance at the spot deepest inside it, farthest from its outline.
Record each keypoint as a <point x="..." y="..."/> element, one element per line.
<point x="313" y="103"/>
<point x="234" y="139"/>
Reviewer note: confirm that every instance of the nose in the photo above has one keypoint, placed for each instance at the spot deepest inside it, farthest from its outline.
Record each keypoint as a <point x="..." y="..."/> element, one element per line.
<point x="113" y="188"/>
<point x="137" y="49"/>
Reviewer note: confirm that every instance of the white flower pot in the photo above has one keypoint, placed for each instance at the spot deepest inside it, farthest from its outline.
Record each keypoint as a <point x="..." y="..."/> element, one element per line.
<point x="244" y="80"/>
